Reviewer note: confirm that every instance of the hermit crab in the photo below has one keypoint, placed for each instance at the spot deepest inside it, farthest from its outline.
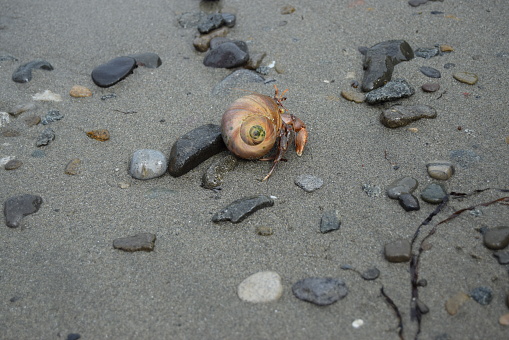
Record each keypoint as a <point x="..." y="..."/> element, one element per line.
<point x="253" y="124"/>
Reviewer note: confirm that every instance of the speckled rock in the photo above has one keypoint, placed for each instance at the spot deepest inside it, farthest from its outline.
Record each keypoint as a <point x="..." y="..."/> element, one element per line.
<point x="213" y="177"/>
<point x="433" y="193"/>
<point x="401" y="115"/>
<point x="466" y="77"/>
<point x="261" y="287"/>
<point x="147" y="164"/>
<point x="101" y="135"/>
<point x="321" y="291"/>
<point x="113" y="71"/>
<point x="426" y="52"/>
<point x="17" y="207"/>
<point x="398" y="251"/>
<point x="309" y="183"/>
<point x="194" y="147"/>
<point x="210" y="22"/>
<point x="23" y="74"/>
<point x="409" y="202"/>
<point x="395" y="89"/>
<point x="330" y="221"/>
<point x="241" y="208"/>
<point x="496" y="238"/>
<point x="482" y="295"/>
<point x="441" y="170"/>
<point x="405" y="185"/>
<point x="139" y="242"/>
<point x="51" y="116"/>
<point x="46" y="137"/>
<point x="371" y="274"/>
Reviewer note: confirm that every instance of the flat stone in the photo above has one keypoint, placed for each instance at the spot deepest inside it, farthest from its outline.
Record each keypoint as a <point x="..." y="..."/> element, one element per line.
<point x="226" y="55"/>
<point x="430" y="87"/>
<point x="395" y="89"/>
<point x="261" y="287"/>
<point x="194" y="147"/>
<point x="422" y="306"/>
<point x="372" y="190"/>
<point x="416" y="3"/>
<point x="6" y="132"/>
<point x="426" y="53"/>
<point x="202" y="43"/>
<point x="430" y="72"/>
<point x="353" y="96"/>
<point x="502" y="257"/>
<point x="19" y="109"/>
<point x="308" y="183"/>
<point x="504" y="319"/>
<point x="149" y="59"/>
<point x="255" y="60"/>
<point x="237" y="79"/>
<point x="78" y="91"/>
<point x="401" y="115"/>
<point x="32" y="120"/>
<point x="371" y="274"/>
<point x="453" y="304"/>
<point x="242" y="208"/>
<point x="113" y="71"/>
<point x="215" y="173"/>
<point x="51" y="116"/>
<point x="398" y="251"/>
<point x="466" y="77"/>
<point x="321" y="291"/>
<point x="433" y="193"/>
<point x="47" y="96"/>
<point x="264" y="230"/>
<point x="446" y="48"/>
<point x="379" y="62"/>
<point x="101" y="135"/>
<point x="405" y="185"/>
<point x="23" y="74"/>
<point x="482" y="295"/>
<point x="46" y="137"/>
<point x="464" y="158"/>
<point x="409" y="202"/>
<point x="13" y="164"/>
<point x="330" y="221"/>
<point x="210" y="22"/>
<point x="139" y="242"/>
<point x="441" y="170"/>
<point x="72" y="167"/>
<point x="496" y="238"/>
<point x="147" y="164"/>
<point x="17" y="207"/>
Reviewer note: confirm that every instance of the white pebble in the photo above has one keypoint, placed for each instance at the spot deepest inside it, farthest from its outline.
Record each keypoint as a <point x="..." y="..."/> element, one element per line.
<point x="47" y="96"/>
<point x="147" y="164"/>
<point x="357" y="323"/>
<point x="4" y="119"/>
<point x="261" y="287"/>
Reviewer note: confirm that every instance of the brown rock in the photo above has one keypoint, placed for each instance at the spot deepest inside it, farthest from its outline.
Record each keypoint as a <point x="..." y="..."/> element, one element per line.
<point x="453" y="304"/>
<point x="202" y="43"/>
<point x="466" y="77"/>
<point x="504" y="319"/>
<point x="13" y="164"/>
<point x="100" y="135"/>
<point x="446" y="48"/>
<point x="32" y="120"/>
<point x="78" y="91"/>
<point x="287" y="9"/>
<point x="255" y="60"/>
<point x="430" y="87"/>
<point x="353" y="96"/>
<point x="398" y="251"/>
<point x="72" y="167"/>
<point x="401" y="115"/>
<point x="143" y="241"/>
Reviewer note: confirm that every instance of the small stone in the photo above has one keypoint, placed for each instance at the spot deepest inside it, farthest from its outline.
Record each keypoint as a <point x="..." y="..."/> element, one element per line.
<point x="504" y="319"/>
<point x="405" y="185"/>
<point x="466" y="77"/>
<point x="142" y="241"/>
<point x="17" y="207"/>
<point x="210" y="22"/>
<point x="422" y="306"/>
<point x="446" y="48"/>
<point x="237" y="79"/>
<point x="202" y="43"/>
<point x="52" y="116"/>
<point x="148" y="60"/>
<point x="496" y="238"/>
<point x="241" y="208"/>
<point x="309" y="183"/>
<point x="46" y="137"/>
<point x="226" y="55"/>
<point x="213" y="177"/>
<point x="261" y="287"/>
<point x="449" y="65"/>
<point x="320" y="291"/>
<point x="395" y="89"/>
<point x="229" y="19"/>
<point x="287" y="9"/>
<point x="426" y="53"/>
<point x="401" y="115"/>
<point x="255" y="60"/>
<point x="453" y="304"/>
<point x="4" y="119"/>
<point x="398" y="251"/>
<point x="409" y="202"/>
<point x="430" y="87"/>
<point x="357" y="323"/>
<point x="194" y="147"/>
<point x="482" y="295"/>
<point x="19" y="109"/>
<point x="502" y="257"/>
<point x="441" y="170"/>
<point x="464" y="158"/>
<point x="13" y="164"/>
<point x="147" y="164"/>
<point x="108" y="96"/>
<point x="433" y="193"/>
<point x="78" y="91"/>
<point x="416" y="3"/>
<point x="32" y="120"/>
<point x="264" y="231"/>
<point x="330" y="221"/>
<point x="353" y="96"/>
<point x="47" y="96"/>
<point x="371" y="190"/>
<point x="430" y="72"/>
<point x="10" y="132"/>
<point x="371" y="274"/>
<point x="72" y="167"/>
<point x="73" y="336"/>
<point x="23" y="74"/>
<point x="101" y="135"/>
<point x="113" y="71"/>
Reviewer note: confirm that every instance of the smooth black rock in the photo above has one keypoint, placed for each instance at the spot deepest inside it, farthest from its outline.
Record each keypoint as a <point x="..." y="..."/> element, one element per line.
<point x="229" y="19"/>
<point x="329" y="222"/>
<point x="405" y="185"/>
<point x="113" y="71"/>
<point x="139" y="242"/>
<point x="409" y="202"/>
<point x="210" y="22"/>
<point x="380" y="60"/>
<point x="215" y="42"/>
<point x="237" y="79"/>
<point x="321" y="291"/>
<point x="395" y="89"/>
<point x="16" y="207"/>
<point x="430" y="72"/>
<point x="241" y="208"/>
<point x="402" y="115"/>
<point x="482" y="295"/>
<point x="496" y="238"/>
<point x="433" y="193"/>
<point x="194" y="147"/>
<point x="73" y="336"/>
<point x="51" y="116"/>
<point x="149" y="59"/>
<point x="46" y="136"/>
<point x="226" y="55"/>
<point x="427" y="53"/>
<point x="24" y="73"/>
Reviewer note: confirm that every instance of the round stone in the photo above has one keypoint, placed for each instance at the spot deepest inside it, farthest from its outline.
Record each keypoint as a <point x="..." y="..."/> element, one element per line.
<point x="496" y="238"/>
<point x="441" y="170"/>
<point x="13" y="164"/>
<point x="260" y="287"/>
<point x="430" y="87"/>
<point x="78" y="91"/>
<point x="147" y="164"/>
<point x="433" y="193"/>
<point x="405" y="185"/>
<point x="430" y="72"/>
<point x="353" y="96"/>
<point x="466" y="77"/>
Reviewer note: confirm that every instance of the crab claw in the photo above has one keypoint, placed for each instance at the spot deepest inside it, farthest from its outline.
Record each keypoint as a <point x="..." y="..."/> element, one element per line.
<point x="301" y="134"/>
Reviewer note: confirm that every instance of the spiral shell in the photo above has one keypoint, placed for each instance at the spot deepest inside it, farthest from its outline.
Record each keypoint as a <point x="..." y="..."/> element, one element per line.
<point x="250" y="126"/>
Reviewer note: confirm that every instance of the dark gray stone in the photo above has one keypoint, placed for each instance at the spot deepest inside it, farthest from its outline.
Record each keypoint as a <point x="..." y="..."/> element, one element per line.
<point x="226" y="55"/>
<point x="482" y="295"/>
<point x="46" y="136"/>
<point x="415" y="3"/>
<point x="496" y="238"/>
<point x="210" y="22"/>
<point x="380" y="60"/>
<point x="149" y="59"/>
<point x="213" y="177"/>
<point x="422" y="306"/>
<point x="405" y="185"/>
<point x="229" y="19"/>
<point x="139" y="242"/>
<point x="395" y="89"/>
<point x="320" y="291"/>
<point x="433" y="193"/>
<point x="329" y="222"/>
<point x="17" y="207"/>
<point x="430" y="72"/>
<point x="401" y="115"/>
<point x="430" y="87"/>
<point x="398" y="251"/>
<point x="371" y="274"/>
<point x="113" y="71"/>
<point x="23" y="74"/>
<point x="502" y="257"/>
<point x="426" y="53"/>
<point x="241" y="208"/>
<point x="51" y="116"/>
<point x="237" y="79"/>
<point x="309" y="183"/>
<point x="194" y="147"/>
<point x="409" y="202"/>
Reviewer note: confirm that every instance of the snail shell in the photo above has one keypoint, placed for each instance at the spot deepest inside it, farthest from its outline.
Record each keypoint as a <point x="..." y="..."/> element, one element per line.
<point x="250" y="126"/>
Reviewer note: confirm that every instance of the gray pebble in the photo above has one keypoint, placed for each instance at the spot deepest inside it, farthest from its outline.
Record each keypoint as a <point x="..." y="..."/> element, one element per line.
<point x="309" y="183"/>
<point x="502" y="257"/>
<point x="226" y="55"/>
<point x="23" y="74"/>
<point x="371" y="274"/>
<point x="330" y="221"/>
<point x="433" y="193"/>
<point x="320" y="291"/>
<point x="51" y="116"/>
<point x="46" y="137"/>
<point x="149" y="59"/>
<point x="19" y="109"/>
<point x="398" y="251"/>
<point x="229" y="19"/>
<point x="405" y="185"/>
<point x="395" y="89"/>
<point x="241" y="208"/>
<point x="482" y="295"/>
<point x="402" y="115"/>
<point x="496" y="238"/>
<point x="422" y="306"/>
<point x="409" y="202"/>
<point x="210" y="22"/>
<point x="372" y="190"/>
<point x="147" y="164"/>
<point x="430" y="87"/>
<point x="441" y="170"/>
<point x="464" y="158"/>
<point x="16" y="207"/>
<point x="13" y="164"/>
<point x="142" y="241"/>
<point x="213" y="177"/>
<point x="430" y="72"/>
<point x="426" y="53"/>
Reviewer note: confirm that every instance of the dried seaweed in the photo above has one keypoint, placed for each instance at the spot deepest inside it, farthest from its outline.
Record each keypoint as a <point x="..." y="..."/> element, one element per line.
<point x="396" y="310"/>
